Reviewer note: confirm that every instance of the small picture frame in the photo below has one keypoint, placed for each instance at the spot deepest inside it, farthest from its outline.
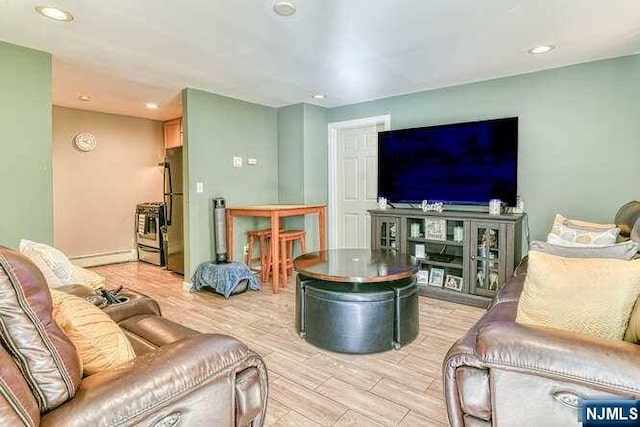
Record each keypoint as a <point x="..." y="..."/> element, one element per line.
<point x="453" y="283"/>
<point x="422" y="277"/>
<point x="436" y="277"/>
<point x="435" y="229"/>
<point x="419" y="251"/>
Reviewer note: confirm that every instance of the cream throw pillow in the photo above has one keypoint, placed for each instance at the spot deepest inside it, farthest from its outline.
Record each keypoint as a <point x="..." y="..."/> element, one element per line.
<point x="49" y="276"/>
<point x="55" y="261"/>
<point x="100" y="342"/>
<point x="589" y="296"/>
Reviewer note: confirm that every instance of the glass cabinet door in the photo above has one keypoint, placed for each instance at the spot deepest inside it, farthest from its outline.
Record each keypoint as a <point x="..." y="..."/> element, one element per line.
<point x="388" y="233"/>
<point x="487" y="258"/>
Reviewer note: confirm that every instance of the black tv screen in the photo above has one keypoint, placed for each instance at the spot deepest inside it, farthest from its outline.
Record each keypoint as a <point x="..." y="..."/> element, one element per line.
<point x="462" y="163"/>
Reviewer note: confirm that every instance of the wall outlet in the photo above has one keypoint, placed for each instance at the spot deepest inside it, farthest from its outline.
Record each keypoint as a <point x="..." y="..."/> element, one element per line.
<point x="252" y="161"/>
<point x="246" y="249"/>
<point x="199" y="187"/>
<point x="237" y="162"/>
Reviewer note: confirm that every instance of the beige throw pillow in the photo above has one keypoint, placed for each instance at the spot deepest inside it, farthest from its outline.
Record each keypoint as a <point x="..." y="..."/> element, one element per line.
<point x="589" y="296"/>
<point x="100" y="342"/>
<point x="89" y="278"/>
<point x="579" y="224"/>
<point x="632" y="334"/>
<point x="582" y="232"/>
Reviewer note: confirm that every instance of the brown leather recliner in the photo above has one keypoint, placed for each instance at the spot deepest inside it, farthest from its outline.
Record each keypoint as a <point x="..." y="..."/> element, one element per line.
<point x="179" y="377"/>
<point x="505" y="374"/>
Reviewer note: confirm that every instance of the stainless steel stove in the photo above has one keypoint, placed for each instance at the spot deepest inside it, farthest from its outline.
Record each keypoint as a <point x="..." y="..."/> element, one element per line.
<point x="150" y="220"/>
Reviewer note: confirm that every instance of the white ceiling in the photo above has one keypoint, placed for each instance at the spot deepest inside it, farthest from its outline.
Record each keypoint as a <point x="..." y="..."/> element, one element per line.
<point x="125" y="53"/>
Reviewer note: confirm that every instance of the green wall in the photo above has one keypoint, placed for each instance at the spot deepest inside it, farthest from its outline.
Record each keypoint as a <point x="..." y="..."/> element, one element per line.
<point x="291" y="154"/>
<point x="302" y="163"/>
<point x="216" y="128"/>
<point x="315" y="171"/>
<point x="579" y="132"/>
<point x="25" y="147"/>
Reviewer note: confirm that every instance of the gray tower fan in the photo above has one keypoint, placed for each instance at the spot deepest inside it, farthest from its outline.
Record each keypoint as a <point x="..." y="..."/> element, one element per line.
<point x="220" y="227"/>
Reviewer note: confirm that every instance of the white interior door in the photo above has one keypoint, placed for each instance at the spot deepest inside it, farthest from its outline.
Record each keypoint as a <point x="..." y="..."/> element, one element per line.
<point x="356" y="184"/>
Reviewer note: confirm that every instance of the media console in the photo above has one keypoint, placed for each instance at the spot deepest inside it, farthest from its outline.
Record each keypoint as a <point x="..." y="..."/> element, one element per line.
<point x="463" y="257"/>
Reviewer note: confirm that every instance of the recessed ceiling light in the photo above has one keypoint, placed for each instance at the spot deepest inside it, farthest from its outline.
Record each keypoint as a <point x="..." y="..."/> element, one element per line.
<point x="284" y="8"/>
<point x="319" y="96"/>
<point x="152" y="105"/>
<point x="85" y="98"/>
<point x="54" y="13"/>
<point x="544" y="48"/>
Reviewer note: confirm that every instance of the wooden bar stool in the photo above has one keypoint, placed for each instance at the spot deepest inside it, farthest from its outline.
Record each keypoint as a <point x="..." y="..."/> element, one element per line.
<point x="287" y="240"/>
<point x="263" y="237"/>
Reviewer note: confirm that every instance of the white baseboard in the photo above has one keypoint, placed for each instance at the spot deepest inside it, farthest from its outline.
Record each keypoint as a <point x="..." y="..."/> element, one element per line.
<point x="106" y="258"/>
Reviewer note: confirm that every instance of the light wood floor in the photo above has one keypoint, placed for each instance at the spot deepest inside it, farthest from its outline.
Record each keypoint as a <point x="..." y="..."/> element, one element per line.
<point x="309" y="386"/>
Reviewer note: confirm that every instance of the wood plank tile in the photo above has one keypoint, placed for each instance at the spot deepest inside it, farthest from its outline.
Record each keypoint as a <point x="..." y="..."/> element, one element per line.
<point x="354" y="419"/>
<point x="294" y="419"/>
<point x="426" y="366"/>
<point x="351" y="373"/>
<point x="414" y="420"/>
<point x="429" y="350"/>
<point x="309" y="403"/>
<point x="277" y="327"/>
<point x="275" y="411"/>
<point x="299" y="373"/>
<point x="436" y="389"/>
<point x="378" y="409"/>
<point x="419" y="402"/>
<point x="272" y="376"/>
<point x="300" y="351"/>
<point x="407" y="376"/>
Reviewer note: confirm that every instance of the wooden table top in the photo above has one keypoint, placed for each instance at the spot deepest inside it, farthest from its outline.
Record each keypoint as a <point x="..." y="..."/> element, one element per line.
<point x="355" y="265"/>
<point x="273" y="207"/>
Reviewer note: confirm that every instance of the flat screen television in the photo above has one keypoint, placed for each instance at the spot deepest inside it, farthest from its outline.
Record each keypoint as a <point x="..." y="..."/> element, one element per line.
<point x="462" y="163"/>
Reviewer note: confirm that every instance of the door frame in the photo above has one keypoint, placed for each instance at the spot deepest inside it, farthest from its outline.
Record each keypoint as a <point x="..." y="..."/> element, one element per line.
<point x="334" y="128"/>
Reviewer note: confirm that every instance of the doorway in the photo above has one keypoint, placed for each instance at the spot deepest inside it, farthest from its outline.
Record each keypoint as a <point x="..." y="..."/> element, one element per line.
<point x="353" y="179"/>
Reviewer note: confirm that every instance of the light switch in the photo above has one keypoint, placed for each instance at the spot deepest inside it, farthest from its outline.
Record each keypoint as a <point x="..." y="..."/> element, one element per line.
<point x="199" y="187"/>
<point x="252" y="161"/>
<point x="237" y="162"/>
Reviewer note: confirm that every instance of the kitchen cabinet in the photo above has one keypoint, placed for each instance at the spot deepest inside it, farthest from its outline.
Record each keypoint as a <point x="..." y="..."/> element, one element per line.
<point x="173" y="133"/>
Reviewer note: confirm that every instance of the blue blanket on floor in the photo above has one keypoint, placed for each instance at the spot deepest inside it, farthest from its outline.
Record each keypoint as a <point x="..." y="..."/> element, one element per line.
<point x="223" y="278"/>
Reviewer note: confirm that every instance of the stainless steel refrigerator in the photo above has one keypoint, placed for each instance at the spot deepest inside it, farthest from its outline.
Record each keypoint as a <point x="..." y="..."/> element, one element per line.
<point x="173" y="197"/>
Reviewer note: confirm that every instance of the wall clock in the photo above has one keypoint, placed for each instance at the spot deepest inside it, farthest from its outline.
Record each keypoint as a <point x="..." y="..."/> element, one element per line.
<point x="85" y="141"/>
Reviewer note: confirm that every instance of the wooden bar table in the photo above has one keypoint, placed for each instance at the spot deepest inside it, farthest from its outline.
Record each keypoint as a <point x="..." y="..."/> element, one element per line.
<point x="275" y="212"/>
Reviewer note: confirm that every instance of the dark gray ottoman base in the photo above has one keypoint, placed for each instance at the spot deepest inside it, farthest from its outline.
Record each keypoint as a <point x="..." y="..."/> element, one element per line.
<point x="357" y="318"/>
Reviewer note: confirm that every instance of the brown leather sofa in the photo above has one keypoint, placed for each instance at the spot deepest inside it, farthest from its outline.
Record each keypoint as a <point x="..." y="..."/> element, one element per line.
<point x="505" y="374"/>
<point x="179" y="377"/>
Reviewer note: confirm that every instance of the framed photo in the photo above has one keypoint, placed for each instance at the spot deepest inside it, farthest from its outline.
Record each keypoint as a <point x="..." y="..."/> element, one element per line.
<point x="436" y="277"/>
<point x="453" y="282"/>
<point x="422" y="277"/>
<point x="435" y="229"/>
<point x="419" y="251"/>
